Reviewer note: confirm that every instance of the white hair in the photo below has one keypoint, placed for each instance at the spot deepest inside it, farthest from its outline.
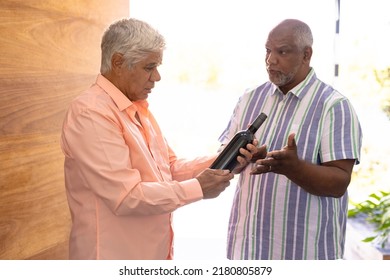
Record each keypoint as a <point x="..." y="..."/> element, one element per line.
<point x="132" y="38"/>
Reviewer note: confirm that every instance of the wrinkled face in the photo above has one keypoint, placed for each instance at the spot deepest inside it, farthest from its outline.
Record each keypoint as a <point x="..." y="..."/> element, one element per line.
<point x="137" y="82"/>
<point x="286" y="64"/>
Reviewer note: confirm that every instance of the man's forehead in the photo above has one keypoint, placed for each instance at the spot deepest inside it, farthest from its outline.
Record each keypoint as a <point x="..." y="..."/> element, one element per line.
<point x="280" y="43"/>
<point x="281" y="39"/>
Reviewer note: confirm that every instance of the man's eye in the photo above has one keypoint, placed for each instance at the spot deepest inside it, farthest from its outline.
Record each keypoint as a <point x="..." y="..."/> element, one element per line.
<point x="149" y="68"/>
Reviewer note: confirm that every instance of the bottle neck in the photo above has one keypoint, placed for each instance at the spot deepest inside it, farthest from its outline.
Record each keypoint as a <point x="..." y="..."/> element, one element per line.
<point x="257" y="123"/>
<point x="252" y="129"/>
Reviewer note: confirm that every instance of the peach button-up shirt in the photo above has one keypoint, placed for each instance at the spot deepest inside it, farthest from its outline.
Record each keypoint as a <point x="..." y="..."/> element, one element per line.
<point x="122" y="179"/>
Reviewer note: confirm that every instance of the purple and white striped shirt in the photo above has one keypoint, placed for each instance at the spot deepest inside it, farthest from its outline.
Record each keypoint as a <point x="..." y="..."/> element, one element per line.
<point x="272" y="217"/>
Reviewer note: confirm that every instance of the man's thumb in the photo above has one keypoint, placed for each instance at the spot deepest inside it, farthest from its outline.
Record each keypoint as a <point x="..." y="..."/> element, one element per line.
<point x="291" y="141"/>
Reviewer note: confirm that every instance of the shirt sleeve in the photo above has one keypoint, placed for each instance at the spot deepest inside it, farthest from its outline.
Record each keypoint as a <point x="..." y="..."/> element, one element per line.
<point x="342" y="137"/>
<point x="233" y="125"/>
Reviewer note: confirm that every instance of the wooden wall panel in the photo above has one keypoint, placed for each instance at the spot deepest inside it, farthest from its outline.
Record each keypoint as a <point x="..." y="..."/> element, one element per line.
<point x="50" y="51"/>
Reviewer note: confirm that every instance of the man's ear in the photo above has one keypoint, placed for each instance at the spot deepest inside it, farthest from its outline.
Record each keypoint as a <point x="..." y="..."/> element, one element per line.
<point x="307" y="53"/>
<point x="117" y="62"/>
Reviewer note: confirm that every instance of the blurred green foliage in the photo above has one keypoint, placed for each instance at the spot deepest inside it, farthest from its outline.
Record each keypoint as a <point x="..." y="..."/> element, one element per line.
<point x="376" y="211"/>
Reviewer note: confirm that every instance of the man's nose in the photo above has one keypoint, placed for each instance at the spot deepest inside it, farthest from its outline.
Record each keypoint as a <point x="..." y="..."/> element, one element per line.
<point x="271" y="59"/>
<point x="155" y="76"/>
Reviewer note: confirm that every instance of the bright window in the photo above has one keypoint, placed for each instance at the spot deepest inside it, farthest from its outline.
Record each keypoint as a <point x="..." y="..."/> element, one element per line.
<point x="215" y="50"/>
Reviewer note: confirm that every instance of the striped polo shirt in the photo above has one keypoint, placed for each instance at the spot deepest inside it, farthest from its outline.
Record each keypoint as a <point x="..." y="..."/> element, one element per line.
<point x="272" y="217"/>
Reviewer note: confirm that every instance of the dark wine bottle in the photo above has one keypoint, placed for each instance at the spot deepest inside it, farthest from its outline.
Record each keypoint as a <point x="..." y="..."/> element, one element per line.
<point x="227" y="159"/>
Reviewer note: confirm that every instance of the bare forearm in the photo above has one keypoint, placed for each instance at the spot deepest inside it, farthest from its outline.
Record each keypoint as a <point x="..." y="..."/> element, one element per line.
<point x="321" y="180"/>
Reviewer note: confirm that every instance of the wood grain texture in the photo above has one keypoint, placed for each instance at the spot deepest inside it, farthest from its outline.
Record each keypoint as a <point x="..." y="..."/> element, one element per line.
<point x="50" y="52"/>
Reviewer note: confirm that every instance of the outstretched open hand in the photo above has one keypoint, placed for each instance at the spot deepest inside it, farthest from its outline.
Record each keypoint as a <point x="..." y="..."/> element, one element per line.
<point x="279" y="161"/>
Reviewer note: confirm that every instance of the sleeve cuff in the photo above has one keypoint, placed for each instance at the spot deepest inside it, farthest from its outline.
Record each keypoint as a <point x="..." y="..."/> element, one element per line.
<point x="193" y="191"/>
